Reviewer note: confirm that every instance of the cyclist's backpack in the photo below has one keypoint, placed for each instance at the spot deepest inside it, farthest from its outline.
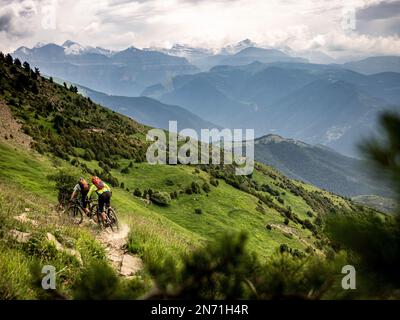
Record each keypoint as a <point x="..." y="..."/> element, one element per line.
<point x="98" y="183"/>
<point x="84" y="185"/>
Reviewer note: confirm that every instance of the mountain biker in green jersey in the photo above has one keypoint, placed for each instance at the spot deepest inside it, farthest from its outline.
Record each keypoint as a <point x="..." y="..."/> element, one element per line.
<point x="104" y="195"/>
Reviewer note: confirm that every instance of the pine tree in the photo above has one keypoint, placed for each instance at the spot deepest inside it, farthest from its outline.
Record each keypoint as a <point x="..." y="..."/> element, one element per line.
<point x="27" y="67"/>
<point x="17" y="62"/>
<point x="9" y="59"/>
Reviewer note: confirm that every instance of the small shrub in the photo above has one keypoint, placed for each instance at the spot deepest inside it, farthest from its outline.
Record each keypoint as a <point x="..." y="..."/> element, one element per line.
<point x="198" y="211"/>
<point x="286" y="221"/>
<point x="137" y="192"/>
<point x="161" y="198"/>
<point x="214" y="182"/>
<point x="125" y="170"/>
<point x="195" y="187"/>
<point x="260" y="209"/>
<point x="65" y="182"/>
<point x="283" y="248"/>
<point x="188" y="190"/>
<point x="206" y="187"/>
<point x="75" y="162"/>
<point x="89" y="155"/>
<point x="308" y="224"/>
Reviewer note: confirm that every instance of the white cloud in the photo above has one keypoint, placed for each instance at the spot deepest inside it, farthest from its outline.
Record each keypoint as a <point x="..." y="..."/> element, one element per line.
<point x="116" y="24"/>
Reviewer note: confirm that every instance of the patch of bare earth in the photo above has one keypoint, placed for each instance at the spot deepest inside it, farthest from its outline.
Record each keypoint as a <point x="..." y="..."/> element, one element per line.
<point x="95" y="130"/>
<point x="127" y="265"/>
<point x="10" y="129"/>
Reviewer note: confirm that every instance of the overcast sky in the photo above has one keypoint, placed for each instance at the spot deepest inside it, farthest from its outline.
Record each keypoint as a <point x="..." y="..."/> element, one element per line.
<point x="116" y="24"/>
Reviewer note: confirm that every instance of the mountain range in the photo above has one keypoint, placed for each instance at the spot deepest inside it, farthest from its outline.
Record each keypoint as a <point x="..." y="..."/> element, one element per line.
<point x="243" y="53"/>
<point x="318" y="104"/>
<point x="126" y="72"/>
<point x="241" y="86"/>
<point x="130" y="71"/>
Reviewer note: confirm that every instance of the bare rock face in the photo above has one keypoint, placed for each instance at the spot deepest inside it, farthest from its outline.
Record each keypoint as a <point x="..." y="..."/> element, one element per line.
<point x="60" y="247"/>
<point x="24" y="219"/>
<point x="20" y="237"/>
<point x="130" y="265"/>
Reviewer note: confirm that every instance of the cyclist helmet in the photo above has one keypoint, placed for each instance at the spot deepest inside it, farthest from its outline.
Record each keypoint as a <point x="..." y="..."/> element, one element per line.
<point x="95" y="180"/>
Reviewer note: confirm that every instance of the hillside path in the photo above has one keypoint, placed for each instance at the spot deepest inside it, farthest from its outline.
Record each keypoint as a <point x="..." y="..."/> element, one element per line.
<point x="127" y="265"/>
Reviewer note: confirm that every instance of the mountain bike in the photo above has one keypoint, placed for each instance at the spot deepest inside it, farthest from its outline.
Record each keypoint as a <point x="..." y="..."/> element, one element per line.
<point x="111" y="217"/>
<point x="75" y="211"/>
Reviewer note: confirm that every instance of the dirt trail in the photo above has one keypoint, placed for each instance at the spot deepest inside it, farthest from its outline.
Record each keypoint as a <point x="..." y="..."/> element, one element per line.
<point x="127" y="265"/>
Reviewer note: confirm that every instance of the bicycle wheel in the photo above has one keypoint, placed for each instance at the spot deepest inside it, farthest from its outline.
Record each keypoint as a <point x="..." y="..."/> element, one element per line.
<point x="93" y="213"/>
<point x="75" y="214"/>
<point x="113" y="219"/>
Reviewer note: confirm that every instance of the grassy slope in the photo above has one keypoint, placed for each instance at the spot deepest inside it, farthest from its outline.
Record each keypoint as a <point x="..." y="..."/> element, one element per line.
<point x="25" y="190"/>
<point x="175" y="227"/>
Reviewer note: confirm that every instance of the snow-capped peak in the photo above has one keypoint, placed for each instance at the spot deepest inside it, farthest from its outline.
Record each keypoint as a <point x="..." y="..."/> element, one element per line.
<point x="183" y="51"/>
<point x="69" y="43"/>
<point x="73" y="48"/>
<point x="24" y="50"/>
<point x="236" y="47"/>
<point x="102" y="51"/>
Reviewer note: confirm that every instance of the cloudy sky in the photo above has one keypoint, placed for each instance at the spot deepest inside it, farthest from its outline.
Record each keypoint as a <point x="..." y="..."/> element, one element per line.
<point x="337" y="27"/>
